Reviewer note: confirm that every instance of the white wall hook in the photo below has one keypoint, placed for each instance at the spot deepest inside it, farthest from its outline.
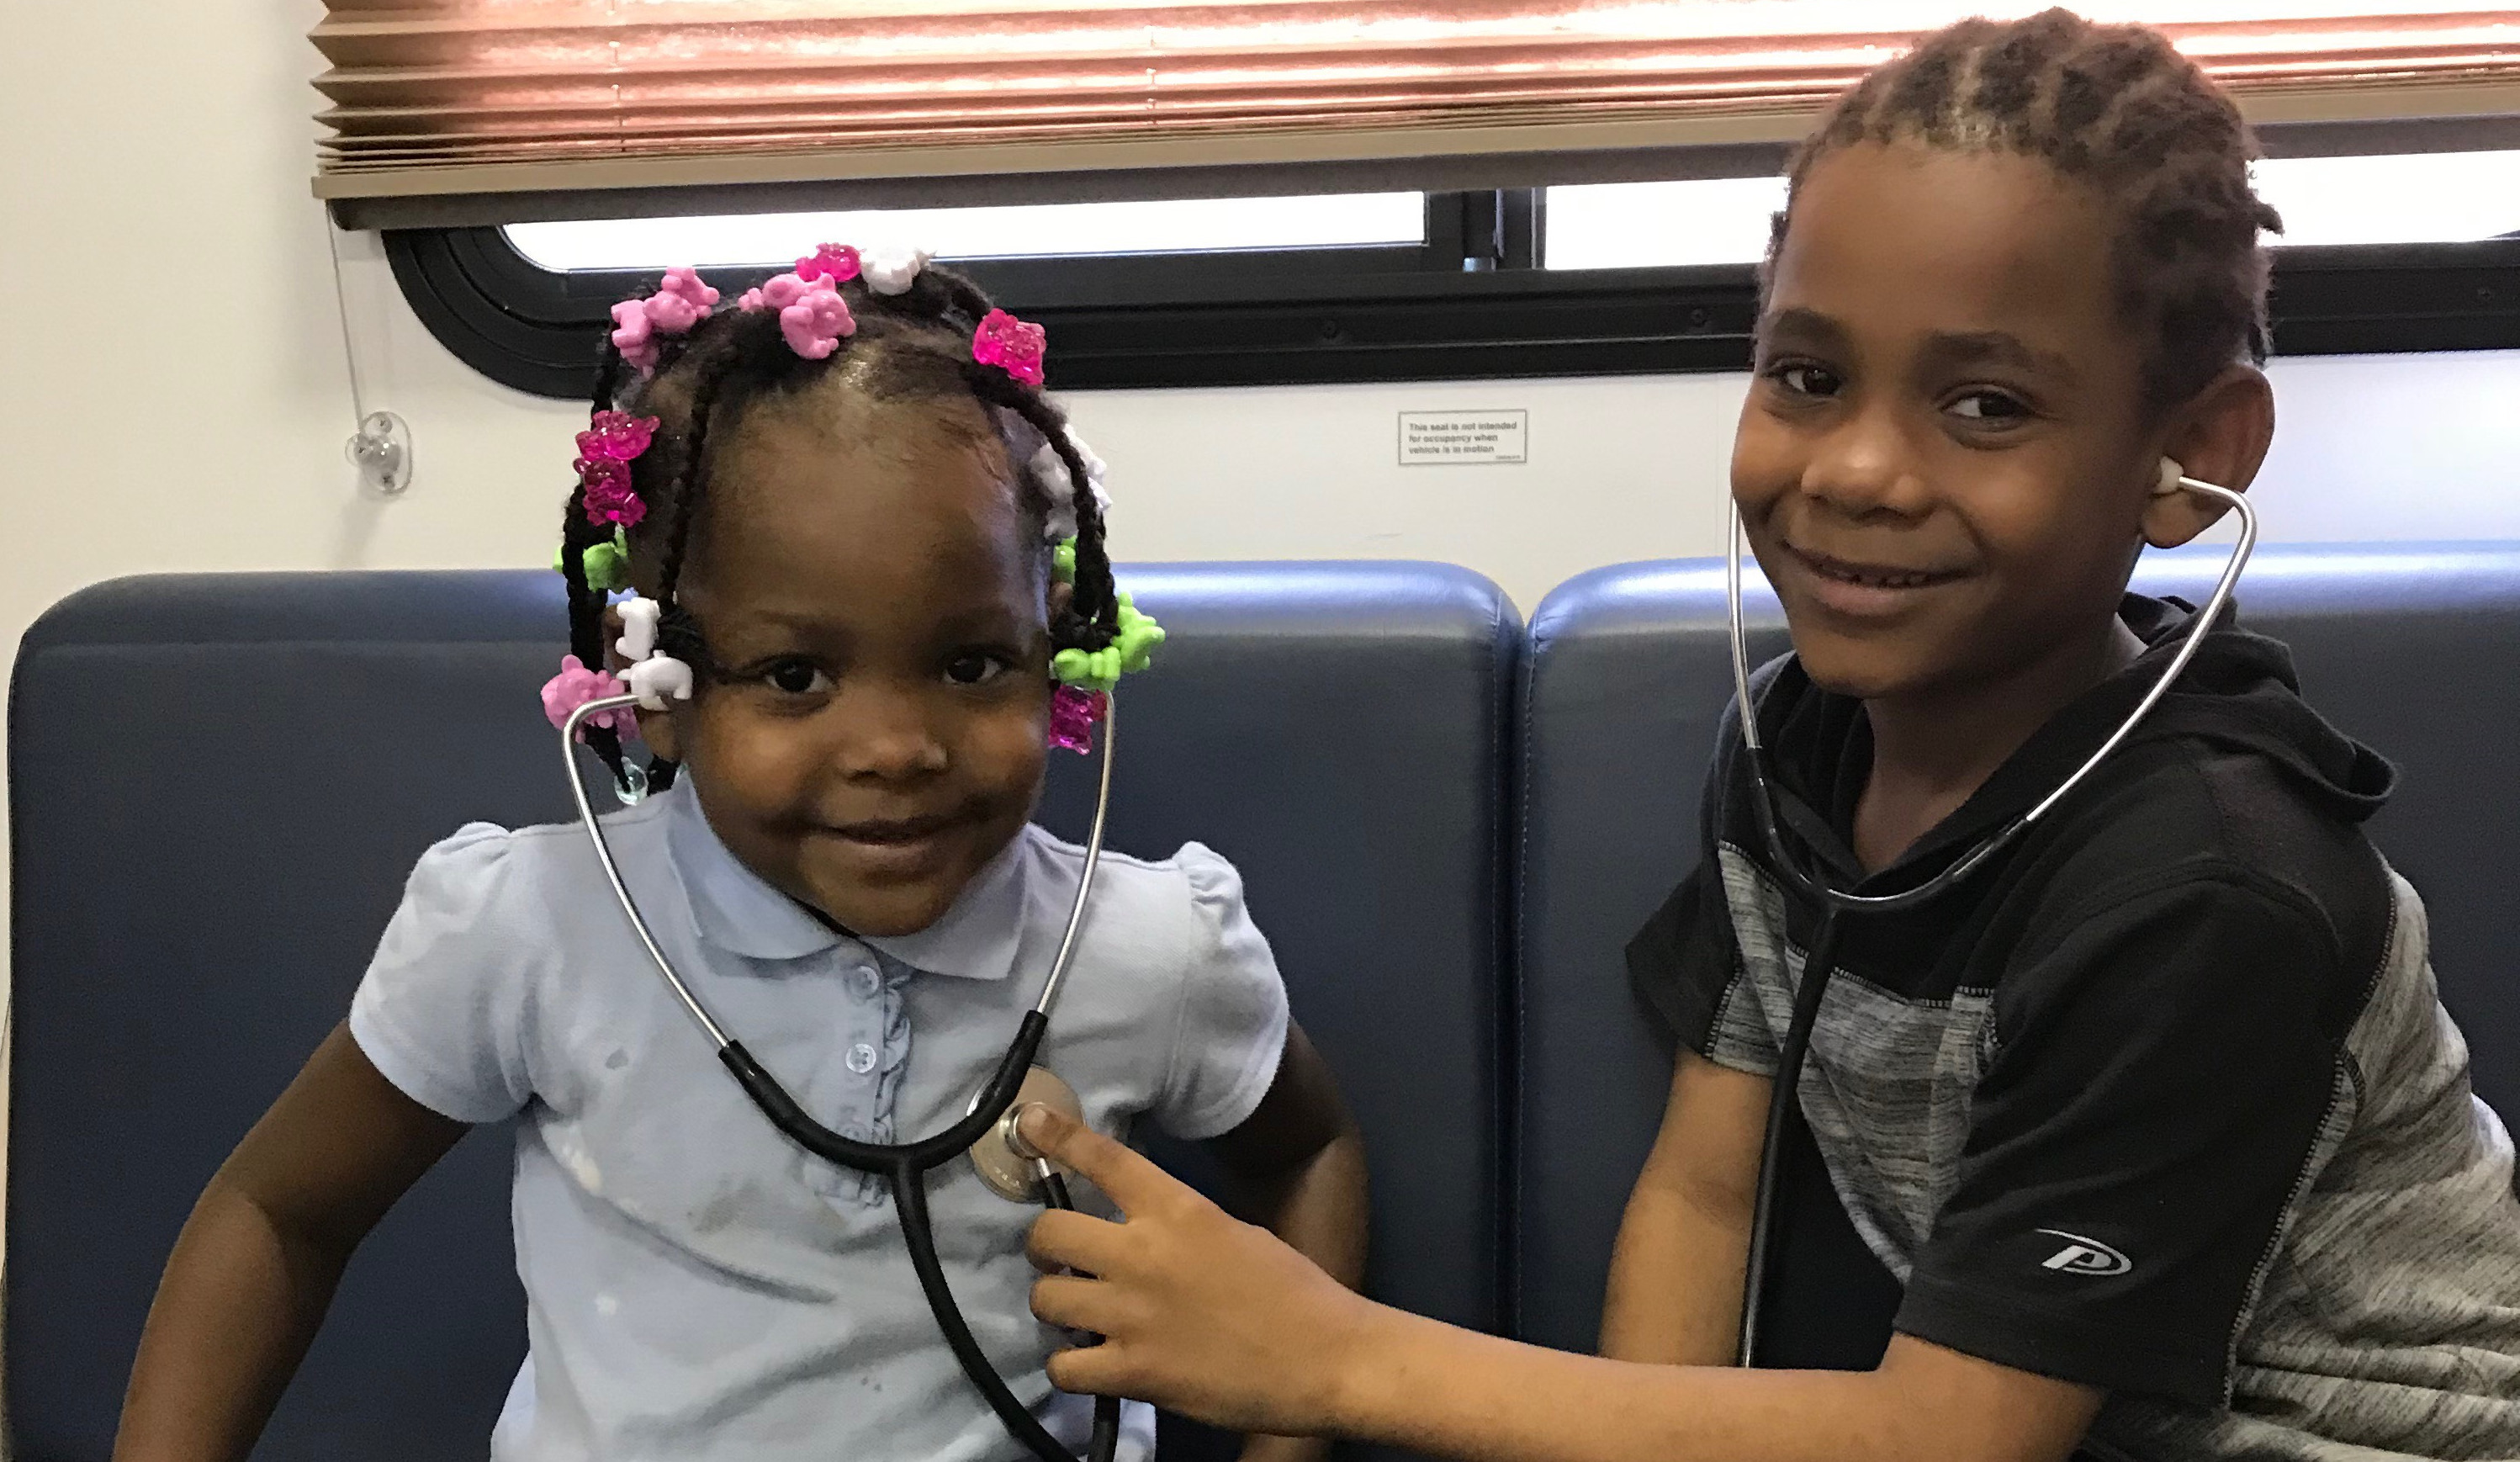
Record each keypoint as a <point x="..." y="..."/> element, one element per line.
<point x="381" y="449"/>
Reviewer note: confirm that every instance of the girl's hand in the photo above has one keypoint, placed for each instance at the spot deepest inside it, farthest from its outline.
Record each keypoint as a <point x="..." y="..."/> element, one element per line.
<point x="1201" y="1314"/>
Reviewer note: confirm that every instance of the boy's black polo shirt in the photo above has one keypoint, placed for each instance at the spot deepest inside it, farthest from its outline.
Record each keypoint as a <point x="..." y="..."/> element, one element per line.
<point x="2162" y="1101"/>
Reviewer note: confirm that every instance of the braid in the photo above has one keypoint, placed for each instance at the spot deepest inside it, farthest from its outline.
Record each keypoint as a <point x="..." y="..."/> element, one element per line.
<point x="2118" y="108"/>
<point x="677" y="632"/>
<point x="690" y="481"/>
<point x="716" y="351"/>
<point x="586" y="603"/>
<point x="1092" y="614"/>
<point x="578" y="535"/>
<point x="1099" y="618"/>
<point x="962" y="304"/>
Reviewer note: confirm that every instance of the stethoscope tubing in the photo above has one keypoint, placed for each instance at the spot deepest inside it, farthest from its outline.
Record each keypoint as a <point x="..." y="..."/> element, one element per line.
<point x="1837" y="906"/>
<point x="1779" y="1119"/>
<point x="903" y="1166"/>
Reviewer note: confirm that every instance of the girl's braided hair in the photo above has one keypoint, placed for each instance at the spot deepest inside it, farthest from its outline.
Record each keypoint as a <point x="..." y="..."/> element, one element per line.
<point x="913" y="346"/>
<point x="2116" y="107"/>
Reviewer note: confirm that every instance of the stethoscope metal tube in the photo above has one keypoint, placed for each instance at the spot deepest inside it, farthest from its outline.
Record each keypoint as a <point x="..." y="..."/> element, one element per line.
<point x="903" y="1166"/>
<point x="1838" y="905"/>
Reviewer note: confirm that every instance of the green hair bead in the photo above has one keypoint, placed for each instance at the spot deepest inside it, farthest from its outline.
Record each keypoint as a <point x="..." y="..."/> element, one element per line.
<point x="1139" y="635"/>
<point x="1131" y="650"/>
<point x="1062" y="561"/>
<point x="607" y="564"/>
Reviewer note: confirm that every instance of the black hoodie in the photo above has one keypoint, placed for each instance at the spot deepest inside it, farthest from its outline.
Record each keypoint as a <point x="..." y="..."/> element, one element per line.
<point x="2112" y="1109"/>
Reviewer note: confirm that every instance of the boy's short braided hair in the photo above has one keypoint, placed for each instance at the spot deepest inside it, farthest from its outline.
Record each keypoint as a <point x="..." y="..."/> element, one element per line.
<point x="910" y="348"/>
<point x="2116" y="107"/>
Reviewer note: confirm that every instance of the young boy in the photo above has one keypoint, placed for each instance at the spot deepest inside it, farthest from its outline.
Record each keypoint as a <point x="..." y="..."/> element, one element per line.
<point x="2157" y="1117"/>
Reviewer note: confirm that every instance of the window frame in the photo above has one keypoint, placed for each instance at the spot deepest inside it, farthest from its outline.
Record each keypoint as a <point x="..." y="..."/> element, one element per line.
<point x="1474" y="301"/>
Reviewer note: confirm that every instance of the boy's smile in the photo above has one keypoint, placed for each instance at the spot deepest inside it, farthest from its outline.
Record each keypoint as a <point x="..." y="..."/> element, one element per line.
<point x="1856" y="590"/>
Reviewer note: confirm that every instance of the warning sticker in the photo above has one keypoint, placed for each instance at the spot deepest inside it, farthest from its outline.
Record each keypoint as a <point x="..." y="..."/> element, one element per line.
<point x="1463" y="438"/>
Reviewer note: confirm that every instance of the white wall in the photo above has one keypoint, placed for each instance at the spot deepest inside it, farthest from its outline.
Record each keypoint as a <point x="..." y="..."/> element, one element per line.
<point x="173" y="393"/>
<point x="1621" y="467"/>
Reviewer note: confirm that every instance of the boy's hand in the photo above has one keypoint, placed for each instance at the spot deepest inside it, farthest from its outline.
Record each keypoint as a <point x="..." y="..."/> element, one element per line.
<point x="1201" y="1314"/>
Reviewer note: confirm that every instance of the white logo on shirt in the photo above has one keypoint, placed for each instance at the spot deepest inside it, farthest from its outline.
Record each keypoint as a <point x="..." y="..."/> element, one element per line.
<point x="2081" y="1255"/>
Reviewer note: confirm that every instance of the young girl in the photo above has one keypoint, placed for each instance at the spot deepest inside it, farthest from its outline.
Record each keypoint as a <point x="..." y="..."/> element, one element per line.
<point x="862" y="550"/>
<point x="2157" y="1117"/>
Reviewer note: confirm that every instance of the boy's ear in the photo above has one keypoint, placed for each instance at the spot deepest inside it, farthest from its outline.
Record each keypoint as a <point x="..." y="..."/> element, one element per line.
<point x="2220" y="437"/>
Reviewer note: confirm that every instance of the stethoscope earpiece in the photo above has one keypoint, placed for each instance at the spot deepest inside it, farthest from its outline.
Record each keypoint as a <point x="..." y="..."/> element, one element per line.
<point x="2171" y="473"/>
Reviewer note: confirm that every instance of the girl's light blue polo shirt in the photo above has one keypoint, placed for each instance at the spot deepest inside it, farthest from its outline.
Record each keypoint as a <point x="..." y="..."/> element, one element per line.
<point x="698" y="1287"/>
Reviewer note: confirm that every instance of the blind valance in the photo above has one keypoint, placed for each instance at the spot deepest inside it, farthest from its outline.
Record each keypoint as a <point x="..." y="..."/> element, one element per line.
<point x="481" y="98"/>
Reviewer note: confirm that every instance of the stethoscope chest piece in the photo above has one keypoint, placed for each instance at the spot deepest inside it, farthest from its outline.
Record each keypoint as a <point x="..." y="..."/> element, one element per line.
<point x="1006" y="1162"/>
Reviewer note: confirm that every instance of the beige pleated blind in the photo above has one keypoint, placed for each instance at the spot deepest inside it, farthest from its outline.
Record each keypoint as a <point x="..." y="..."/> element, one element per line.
<point x="482" y="98"/>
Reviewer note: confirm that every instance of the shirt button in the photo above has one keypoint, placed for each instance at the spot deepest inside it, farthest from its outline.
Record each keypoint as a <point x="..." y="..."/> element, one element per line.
<point x="861" y="1058"/>
<point x="869" y="982"/>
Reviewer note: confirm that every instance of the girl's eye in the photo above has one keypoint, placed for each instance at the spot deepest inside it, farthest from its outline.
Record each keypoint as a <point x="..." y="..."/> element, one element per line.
<point x="796" y="677"/>
<point x="1805" y="379"/>
<point x="1990" y="406"/>
<point x="974" y="668"/>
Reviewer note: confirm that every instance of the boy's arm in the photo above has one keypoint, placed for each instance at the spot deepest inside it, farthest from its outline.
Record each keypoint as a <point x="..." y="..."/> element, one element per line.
<point x="1220" y="1321"/>
<point x="1296" y="1166"/>
<point x="1431" y="1388"/>
<point x="1676" y="1274"/>
<point x="256" y="1263"/>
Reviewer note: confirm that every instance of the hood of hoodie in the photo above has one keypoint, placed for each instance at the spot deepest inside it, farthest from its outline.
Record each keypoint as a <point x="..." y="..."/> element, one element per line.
<point x="2239" y="694"/>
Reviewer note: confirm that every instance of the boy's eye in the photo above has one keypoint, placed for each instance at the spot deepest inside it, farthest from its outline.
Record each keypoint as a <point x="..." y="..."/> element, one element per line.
<point x="975" y="668"/>
<point x="796" y="677"/>
<point x="1806" y="379"/>
<point x="1991" y="406"/>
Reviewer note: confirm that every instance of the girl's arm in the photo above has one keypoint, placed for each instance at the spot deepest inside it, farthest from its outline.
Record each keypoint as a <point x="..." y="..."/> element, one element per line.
<point x="1296" y="1166"/>
<point x="1675" y="1295"/>
<point x="257" y="1261"/>
<point x="1219" y="1320"/>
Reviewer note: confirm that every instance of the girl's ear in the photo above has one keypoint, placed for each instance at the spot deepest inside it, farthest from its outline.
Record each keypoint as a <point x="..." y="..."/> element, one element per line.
<point x="655" y="727"/>
<point x="2220" y="437"/>
<point x="1061" y="595"/>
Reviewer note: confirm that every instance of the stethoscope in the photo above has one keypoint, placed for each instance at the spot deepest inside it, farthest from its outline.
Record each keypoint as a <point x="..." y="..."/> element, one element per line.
<point x="1837" y="905"/>
<point x="1008" y="1163"/>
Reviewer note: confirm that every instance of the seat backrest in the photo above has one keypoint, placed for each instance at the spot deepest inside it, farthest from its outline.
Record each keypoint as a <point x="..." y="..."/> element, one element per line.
<point x="2409" y="647"/>
<point x="1624" y="687"/>
<point x="219" y="783"/>
<point x="2401" y="646"/>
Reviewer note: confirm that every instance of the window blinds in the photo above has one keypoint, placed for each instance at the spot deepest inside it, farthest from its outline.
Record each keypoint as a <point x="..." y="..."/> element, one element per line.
<point x="484" y="103"/>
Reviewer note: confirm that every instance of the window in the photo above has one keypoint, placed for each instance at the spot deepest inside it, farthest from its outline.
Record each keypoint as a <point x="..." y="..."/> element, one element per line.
<point x="1223" y="292"/>
<point x="1642" y="226"/>
<point x="2419" y="251"/>
<point x="1074" y="230"/>
<point x="2415" y="198"/>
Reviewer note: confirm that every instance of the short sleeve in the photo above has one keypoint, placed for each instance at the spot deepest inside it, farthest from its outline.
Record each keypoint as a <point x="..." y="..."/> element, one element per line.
<point x="1686" y="963"/>
<point x="2159" y="1085"/>
<point x="442" y="1010"/>
<point x="1233" y="1027"/>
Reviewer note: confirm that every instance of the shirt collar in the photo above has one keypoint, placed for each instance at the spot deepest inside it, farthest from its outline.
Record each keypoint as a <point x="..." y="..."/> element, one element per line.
<point x="1824" y="751"/>
<point x="739" y="911"/>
